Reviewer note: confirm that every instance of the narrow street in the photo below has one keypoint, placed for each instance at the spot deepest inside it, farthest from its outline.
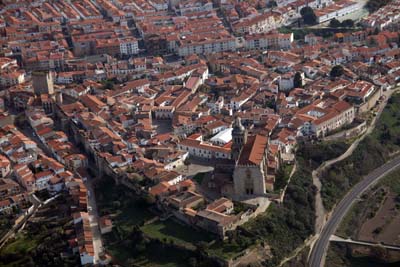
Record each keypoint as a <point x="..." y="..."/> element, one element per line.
<point x="94" y="220"/>
<point x="92" y="205"/>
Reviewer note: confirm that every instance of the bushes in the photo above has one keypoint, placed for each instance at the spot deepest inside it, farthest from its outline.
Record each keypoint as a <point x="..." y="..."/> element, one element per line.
<point x="316" y="153"/>
<point x="371" y="153"/>
<point x="285" y="227"/>
<point x="42" y="242"/>
<point x="374" y="5"/>
<point x="282" y="177"/>
<point x="336" y="71"/>
<point x="308" y="15"/>
<point x="334" y="23"/>
<point x="338" y="179"/>
<point x="348" y="23"/>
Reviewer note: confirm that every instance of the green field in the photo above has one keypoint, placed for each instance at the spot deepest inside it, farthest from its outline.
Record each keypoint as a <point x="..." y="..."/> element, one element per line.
<point x="22" y="244"/>
<point x="171" y="231"/>
<point x="43" y="239"/>
<point x="126" y="209"/>
<point x="226" y="250"/>
<point x="134" y="243"/>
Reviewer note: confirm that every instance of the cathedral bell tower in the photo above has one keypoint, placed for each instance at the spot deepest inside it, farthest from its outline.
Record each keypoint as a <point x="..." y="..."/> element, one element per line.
<point x="239" y="138"/>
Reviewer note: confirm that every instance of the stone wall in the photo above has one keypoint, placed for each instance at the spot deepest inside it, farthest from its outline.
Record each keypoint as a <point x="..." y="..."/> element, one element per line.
<point x="257" y="180"/>
<point x="371" y="102"/>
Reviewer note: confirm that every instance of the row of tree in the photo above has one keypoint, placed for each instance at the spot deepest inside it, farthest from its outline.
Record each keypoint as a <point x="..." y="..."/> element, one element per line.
<point x="348" y="23"/>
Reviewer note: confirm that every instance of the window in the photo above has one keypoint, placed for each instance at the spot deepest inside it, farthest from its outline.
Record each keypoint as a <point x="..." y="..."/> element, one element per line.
<point x="248" y="184"/>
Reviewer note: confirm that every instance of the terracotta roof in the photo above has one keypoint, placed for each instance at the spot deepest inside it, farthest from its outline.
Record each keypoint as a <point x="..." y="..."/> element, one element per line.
<point x="253" y="151"/>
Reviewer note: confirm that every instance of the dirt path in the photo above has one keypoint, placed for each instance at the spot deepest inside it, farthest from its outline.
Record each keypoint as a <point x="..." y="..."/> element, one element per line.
<point x="288" y="182"/>
<point x="307" y="243"/>
<point x="320" y="213"/>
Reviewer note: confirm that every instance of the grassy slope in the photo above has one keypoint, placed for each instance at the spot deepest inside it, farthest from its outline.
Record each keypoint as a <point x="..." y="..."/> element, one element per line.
<point x="129" y="214"/>
<point x="178" y="233"/>
<point x="368" y="202"/>
<point x="371" y="153"/>
<point x="285" y="227"/>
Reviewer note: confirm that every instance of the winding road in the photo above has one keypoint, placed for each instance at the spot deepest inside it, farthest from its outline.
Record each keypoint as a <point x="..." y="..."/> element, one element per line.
<point x="320" y="247"/>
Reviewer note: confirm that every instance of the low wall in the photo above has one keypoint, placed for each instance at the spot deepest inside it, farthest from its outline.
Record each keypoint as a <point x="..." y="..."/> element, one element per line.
<point x="371" y="102"/>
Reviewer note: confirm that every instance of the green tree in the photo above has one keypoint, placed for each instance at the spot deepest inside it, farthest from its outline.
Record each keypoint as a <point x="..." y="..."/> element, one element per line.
<point x="298" y="80"/>
<point x="334" y="23"/>
<point x="201" y="247"/>
<point x="272" y="4"/>
<point x="374" y="5"/>
<point x="308" y="15"/>
<point x="372" y="42"/>
<point x="204" y="88"/>
<point x="336" y="71"/>
<point x="109" y="83"/>
<point x="192" y="262"/>
<point x="348" y="23"/>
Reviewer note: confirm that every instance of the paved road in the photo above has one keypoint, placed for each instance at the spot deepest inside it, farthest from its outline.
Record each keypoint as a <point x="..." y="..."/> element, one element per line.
<point x="319" y="249"/>
<point x="319" y="207"/>
<point x="92" y="205"/>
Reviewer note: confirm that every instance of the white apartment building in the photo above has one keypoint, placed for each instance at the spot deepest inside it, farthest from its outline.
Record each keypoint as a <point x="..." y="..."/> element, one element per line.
<point x="159" y="5"/>
<point x="206" y="47"/>
<point x="185" y="7"/>
<point x="256" y="24"/>
<point x="264" y="41"/>
<point x="200" y="149"/>
<point x="336" y="10"/>
<point x="129" y="46"/>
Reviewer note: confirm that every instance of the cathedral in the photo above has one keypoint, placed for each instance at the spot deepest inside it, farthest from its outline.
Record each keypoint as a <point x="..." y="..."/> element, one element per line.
<point x="250" y="155"/>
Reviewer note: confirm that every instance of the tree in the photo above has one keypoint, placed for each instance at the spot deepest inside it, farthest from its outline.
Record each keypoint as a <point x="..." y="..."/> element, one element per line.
<point x="334" y="23"/>
<point x="201" y="247"/>
<point x="348" y="23"/>
<point x="192" y="262"/>
<point x="308" y="15"/>
<point x="336" y="71"/>
<point x="298" y="80"/>
<point x="372" y="42"/>
<point x="272" y="4"/>
<point x="374" y="5"/>
<point x="204" y="88"/>
<point x="109" y="84"/>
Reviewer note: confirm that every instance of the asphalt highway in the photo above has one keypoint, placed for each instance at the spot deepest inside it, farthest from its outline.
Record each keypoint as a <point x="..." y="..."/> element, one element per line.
<point x="317" y="257"/>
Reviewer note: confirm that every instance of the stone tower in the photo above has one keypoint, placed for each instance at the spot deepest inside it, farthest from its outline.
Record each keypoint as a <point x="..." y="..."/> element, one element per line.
<point x="42" y="83"/>
<point x="239" y="138"/>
